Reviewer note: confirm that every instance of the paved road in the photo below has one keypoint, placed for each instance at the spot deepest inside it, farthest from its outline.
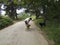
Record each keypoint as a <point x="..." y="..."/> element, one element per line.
<point x="17" y="34"/>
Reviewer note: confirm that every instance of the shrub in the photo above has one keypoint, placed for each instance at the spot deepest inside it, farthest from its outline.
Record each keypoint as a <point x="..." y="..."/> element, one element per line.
<point x="5" y="21"/>
<point x="23" y="16"/>
<point x="52" y="30"/>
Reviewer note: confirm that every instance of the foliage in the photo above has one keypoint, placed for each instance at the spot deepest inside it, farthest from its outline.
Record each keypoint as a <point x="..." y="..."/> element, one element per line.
<point x="11" y="10"/>
<point x="41" y="20"/>
<point x="5" y="21"/>
<point x="33" y="17"/>
<point x="52" y="30"/>
<point x="51" y="8"/>
<point x="4" y="1"/>
<point x="22" y="16"/>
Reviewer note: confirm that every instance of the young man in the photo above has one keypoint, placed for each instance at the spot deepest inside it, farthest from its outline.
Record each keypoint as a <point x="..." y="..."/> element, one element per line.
<point x="27" y="20"/>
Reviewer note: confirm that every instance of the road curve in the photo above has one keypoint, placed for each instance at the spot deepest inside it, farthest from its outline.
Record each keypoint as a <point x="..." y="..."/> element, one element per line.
<point x="17" y="34"/>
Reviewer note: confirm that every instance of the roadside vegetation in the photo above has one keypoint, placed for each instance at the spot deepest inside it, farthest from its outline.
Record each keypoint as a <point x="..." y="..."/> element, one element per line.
<point x="48" y="10"/>
<point x="5" y="21"/>
<point x="22" y="16"/>
<point x="51" y="30"/>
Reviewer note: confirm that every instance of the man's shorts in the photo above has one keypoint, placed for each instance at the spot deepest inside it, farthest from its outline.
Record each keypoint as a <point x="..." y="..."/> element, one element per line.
<point x="26" y="22"/>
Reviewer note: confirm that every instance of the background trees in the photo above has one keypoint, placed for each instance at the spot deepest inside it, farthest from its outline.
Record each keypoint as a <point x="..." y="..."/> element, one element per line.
<point x="11" y="7"/>
<point x="50" y="8"/>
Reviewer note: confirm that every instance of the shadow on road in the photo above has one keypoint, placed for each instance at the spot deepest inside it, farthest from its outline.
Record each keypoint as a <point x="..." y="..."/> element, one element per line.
<point x="30" y="29"/>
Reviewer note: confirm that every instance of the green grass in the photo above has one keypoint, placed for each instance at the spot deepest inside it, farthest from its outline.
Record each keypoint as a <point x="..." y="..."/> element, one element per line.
<point x="52" y="30"/>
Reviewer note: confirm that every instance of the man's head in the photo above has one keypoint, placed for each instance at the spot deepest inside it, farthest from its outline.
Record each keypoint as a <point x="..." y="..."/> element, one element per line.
<point x="30" y="18"/>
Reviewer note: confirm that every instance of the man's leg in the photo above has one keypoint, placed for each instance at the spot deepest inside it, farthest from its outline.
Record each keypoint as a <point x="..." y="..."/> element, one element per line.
<point x="28" y="26"/>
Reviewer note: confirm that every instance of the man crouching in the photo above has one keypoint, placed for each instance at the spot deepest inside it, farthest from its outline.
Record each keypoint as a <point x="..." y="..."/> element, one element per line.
<point x="27" y="20"/>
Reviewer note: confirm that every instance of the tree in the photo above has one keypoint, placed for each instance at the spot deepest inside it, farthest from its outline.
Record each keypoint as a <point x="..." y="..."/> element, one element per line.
<point x="11" y="10"/>
<point x="51" y="8"/>
<point x="34" y="5"/>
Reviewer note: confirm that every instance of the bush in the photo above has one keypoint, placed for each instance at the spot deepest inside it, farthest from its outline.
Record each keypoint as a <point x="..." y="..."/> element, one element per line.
<point x="39" y="21"/>
<point x="52" y="30"/>
<point x="5" y="21"/>
<point x="33" y="17"/>
<point x="22" y="16"/>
